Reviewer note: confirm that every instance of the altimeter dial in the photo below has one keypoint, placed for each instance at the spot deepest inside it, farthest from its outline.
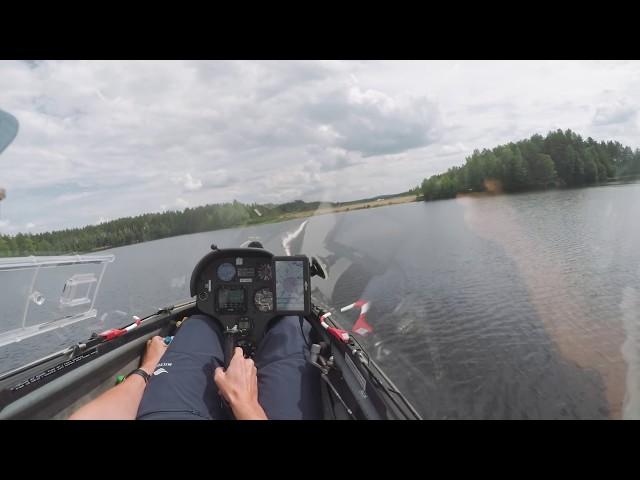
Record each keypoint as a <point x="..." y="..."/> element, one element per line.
<point x="263" y="300"/>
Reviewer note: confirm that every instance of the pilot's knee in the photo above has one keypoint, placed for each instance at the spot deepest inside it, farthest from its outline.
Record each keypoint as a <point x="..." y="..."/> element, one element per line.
<point x="289" y="325"/>
<point x="199" y="322"/>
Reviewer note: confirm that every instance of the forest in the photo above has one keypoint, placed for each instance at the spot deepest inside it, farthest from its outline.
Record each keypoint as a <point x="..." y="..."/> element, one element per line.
<point x="561" y="159"/>
<point x="150" y="226"/>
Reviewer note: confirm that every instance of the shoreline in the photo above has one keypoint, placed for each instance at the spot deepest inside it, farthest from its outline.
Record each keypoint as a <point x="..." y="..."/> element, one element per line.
<point x="348" y="208"/>
<point x="282" y="218"/>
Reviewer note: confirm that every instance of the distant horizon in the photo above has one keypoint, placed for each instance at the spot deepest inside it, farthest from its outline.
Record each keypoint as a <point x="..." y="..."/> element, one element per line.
<point x="308" y="200"/>
<point x="79" y="227"/>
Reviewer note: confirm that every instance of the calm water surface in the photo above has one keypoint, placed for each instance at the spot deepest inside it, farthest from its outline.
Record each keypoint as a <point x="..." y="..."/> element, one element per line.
<point x="521" y="306"/>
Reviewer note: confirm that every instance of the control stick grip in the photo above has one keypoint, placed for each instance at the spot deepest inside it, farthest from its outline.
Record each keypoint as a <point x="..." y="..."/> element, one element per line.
<point x="229" y="347"/>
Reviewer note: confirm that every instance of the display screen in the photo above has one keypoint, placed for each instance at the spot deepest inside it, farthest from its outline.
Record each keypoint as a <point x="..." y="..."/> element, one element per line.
<point x="290" y="285"/>
<point x="231" y="300"/>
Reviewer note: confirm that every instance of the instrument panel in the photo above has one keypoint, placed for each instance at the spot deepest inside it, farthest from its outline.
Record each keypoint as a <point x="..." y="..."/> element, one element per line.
<point x="246" y="287"/>
<point x="240" y="284"/>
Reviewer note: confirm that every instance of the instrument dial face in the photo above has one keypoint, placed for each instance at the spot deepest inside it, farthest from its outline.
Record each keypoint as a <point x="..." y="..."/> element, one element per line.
<point x="264" y="272"/>
<point x="226" y="272"/>
<point x="263" y="300"/>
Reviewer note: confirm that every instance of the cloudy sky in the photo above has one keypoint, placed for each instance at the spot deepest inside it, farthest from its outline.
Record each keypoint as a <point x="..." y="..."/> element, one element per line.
<point x="101" y="140"/>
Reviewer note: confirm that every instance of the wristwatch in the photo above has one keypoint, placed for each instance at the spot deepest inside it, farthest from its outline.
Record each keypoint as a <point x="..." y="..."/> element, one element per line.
<point x="142" y="373"/>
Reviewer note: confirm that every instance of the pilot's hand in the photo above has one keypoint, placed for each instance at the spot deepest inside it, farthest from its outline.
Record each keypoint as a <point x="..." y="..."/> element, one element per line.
<point x="155" y="349"/>
<point x="239" y="386"/>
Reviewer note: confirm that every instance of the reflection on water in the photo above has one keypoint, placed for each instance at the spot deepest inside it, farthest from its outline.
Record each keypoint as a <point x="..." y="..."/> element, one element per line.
<point x="545" y="263"/>
<point x="503" y="307"/>
<point x="523" y="306"/>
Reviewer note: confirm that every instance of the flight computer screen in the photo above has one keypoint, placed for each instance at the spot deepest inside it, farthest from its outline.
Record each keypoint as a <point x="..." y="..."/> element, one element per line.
<point x="290" y="294"/>
<point x="231" y="300"/>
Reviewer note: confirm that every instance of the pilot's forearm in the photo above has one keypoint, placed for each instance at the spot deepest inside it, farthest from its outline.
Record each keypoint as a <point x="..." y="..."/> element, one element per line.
<point x="118" y="403"/>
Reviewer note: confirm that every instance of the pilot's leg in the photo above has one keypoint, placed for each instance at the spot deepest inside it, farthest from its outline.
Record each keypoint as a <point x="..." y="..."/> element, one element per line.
<point x="182" y="385"/>
<point x="288" y="385"/>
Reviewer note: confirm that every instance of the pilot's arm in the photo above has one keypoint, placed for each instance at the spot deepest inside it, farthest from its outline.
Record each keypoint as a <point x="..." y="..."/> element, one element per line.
<point x="122" y="401"/>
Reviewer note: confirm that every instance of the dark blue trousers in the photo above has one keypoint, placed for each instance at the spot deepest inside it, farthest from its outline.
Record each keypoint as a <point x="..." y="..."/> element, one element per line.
<point x="182" y="385"/>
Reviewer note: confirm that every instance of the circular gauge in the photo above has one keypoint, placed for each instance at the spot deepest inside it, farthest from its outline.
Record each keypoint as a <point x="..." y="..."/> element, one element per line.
<point x="226" y="272"/>
<point x="263" y="299"/>
<point x="264" y="272"/>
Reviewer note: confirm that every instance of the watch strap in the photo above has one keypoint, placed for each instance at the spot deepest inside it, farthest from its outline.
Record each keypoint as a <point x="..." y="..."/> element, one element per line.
<point x="142" y="373"/>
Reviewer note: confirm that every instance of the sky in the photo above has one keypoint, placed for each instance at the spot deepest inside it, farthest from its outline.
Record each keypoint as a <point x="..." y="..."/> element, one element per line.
<point x="100" y="140"/>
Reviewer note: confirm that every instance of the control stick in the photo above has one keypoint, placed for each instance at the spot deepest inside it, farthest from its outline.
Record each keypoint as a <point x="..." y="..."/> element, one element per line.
<point x="229" y="344"/>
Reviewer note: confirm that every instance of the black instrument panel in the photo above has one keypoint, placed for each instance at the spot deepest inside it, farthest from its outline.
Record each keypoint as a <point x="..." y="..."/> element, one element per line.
<point x="247" y="287"/>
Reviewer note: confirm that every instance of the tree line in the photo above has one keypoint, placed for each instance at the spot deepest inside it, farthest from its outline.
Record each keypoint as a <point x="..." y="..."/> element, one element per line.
<point x="150" y="226"/>
<point x="561" y="159"/>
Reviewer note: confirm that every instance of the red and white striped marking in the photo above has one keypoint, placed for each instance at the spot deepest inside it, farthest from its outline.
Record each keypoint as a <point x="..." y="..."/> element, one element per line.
<point x="133" y="325"/>
<point x="361" y="327"/>
<point x="116" y="332"/>
<point x="338" y="333"/>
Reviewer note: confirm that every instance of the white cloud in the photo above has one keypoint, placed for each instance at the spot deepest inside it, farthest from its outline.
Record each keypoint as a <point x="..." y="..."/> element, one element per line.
<point x="73" y="198"/>
<point x="181" y="203"/>
<point x="189" y="183"/>
<point x="372" y="123"/>
<point x="192" y="184"/>
<point x="7" y="227"/>
<point x="110" y="139"/>
<point x="457" y="148"/>
<point x="618" y="112"/>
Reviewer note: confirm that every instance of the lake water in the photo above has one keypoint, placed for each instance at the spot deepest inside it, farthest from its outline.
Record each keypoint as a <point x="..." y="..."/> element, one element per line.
<point x="519" y="306"/>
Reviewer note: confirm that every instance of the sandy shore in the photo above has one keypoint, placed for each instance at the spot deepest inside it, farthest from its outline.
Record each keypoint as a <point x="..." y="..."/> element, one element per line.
<point x="348" y="208"/>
